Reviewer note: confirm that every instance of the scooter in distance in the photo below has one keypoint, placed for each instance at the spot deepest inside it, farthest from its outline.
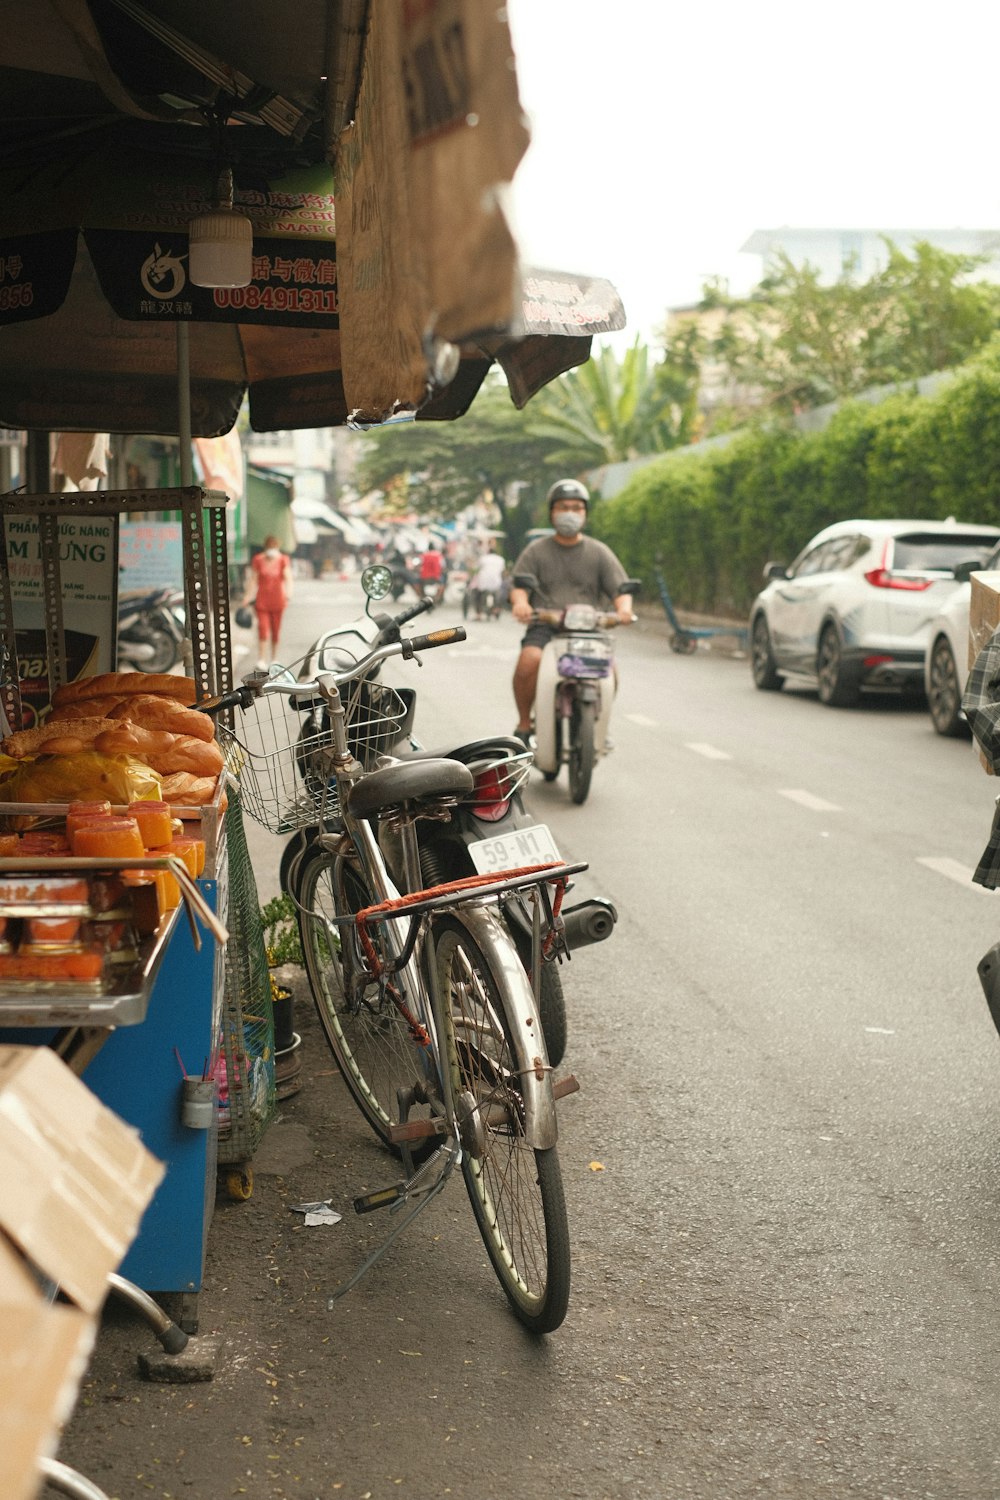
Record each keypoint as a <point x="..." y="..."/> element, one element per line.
<point x="576" y="689"/>
<point x="151" y="630"/>
<point x="484" y="831"/>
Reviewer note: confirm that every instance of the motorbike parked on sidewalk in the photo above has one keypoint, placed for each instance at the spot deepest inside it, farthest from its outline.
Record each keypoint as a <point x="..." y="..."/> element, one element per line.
<point x="484" y="831"/>
<point x="576" y="689"/>
<point x="151" y="630"/>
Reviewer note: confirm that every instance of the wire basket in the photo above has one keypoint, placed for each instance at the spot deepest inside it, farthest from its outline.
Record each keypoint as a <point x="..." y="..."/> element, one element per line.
<point x="279" y="752"/>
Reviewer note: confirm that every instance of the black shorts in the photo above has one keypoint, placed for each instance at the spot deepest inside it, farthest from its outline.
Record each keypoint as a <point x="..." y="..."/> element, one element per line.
<point x="538" y="635"/>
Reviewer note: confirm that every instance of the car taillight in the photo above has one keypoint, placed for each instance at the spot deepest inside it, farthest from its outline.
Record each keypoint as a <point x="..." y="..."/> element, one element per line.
<point x="489" y="796"/>
<point x="881" y="578"/>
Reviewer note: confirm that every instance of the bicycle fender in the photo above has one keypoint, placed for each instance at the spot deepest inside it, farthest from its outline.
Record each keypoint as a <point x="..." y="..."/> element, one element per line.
<point x="490" y="933"/>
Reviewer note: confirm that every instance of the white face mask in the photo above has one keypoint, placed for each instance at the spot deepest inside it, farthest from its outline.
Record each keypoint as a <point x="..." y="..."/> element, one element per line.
<point x="569" y="522"/>
<point x="272" y="552"/>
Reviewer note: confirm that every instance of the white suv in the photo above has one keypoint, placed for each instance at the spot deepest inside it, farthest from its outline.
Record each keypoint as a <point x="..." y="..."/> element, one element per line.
<point x="854" y="610"/>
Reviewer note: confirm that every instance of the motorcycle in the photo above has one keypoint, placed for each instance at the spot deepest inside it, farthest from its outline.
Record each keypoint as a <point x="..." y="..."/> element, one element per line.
<point x="482" y="832"/>
<point x="151" y="630"/>
<point x="576" y="688"/>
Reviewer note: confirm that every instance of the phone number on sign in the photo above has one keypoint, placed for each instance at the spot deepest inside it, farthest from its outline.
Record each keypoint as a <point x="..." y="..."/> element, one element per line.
<point x="276" y="298"/>
<point x="21" y="294"/>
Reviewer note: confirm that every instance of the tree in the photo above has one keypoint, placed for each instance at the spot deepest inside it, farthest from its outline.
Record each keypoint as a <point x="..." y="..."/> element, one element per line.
<point x="796" y="343"/>
<point x="606" y="411"/>
<point x="598" y="413"/>
<point x="441" y="468"/>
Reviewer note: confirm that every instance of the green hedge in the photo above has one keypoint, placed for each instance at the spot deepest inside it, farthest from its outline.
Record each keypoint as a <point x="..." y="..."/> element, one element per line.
<point x="712" y="518"/>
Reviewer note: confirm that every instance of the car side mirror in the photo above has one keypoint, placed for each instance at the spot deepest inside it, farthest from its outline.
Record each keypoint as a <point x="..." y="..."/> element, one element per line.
<point x="963" y="571"/>
<point x="775" y="570"/>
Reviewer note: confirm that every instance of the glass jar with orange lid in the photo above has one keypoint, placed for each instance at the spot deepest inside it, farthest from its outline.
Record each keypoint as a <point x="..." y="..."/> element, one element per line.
<point x="191" y="851"/>
<point x="82" y="812"/>
<point x="155" y="820"/>
<point x="111" y="838"/>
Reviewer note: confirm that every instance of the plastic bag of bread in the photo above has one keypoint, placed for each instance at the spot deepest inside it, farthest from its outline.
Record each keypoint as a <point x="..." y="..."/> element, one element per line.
<point x="85" y="777"/>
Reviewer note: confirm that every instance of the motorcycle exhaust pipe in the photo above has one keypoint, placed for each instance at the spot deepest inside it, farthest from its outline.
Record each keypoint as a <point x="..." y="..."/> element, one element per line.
<point x="588" y="922"/>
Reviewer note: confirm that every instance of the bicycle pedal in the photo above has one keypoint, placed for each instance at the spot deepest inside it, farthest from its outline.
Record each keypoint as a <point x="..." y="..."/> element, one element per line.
<point x="563" y="1086"/>
<point x="382" y="1198"/>
<point x="416" y="1130"/>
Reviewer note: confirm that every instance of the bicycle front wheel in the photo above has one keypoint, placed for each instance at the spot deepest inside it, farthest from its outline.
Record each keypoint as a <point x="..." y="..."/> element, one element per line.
<point x="375" y="1041"/>
<point x="516" y="1191"/>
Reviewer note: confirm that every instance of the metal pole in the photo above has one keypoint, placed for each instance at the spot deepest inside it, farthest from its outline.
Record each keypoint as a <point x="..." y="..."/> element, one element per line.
<point x="184" y="402"/>
<point x="38" y="463"/>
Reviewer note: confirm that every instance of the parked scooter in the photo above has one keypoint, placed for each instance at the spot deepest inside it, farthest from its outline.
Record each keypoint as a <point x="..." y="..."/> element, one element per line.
<point x="485" y="831"/>
<point x="151" y="630"/>
<point x="576" y="688"/>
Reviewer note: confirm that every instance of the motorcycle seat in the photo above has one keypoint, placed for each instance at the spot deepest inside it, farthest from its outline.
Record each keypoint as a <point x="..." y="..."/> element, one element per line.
<point x="410" y="780"/>
<point x="488" y="749"/>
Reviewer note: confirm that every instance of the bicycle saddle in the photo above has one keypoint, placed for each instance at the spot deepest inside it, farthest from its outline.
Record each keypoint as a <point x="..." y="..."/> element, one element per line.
<point x="408" y="781"/>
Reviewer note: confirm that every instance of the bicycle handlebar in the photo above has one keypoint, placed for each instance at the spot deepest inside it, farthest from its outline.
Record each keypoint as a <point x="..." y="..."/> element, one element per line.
<point x="556" y="617"/>
<point x="436" y="638"/>
<point x="408" y="647"/>
<point x="406" y="615"/>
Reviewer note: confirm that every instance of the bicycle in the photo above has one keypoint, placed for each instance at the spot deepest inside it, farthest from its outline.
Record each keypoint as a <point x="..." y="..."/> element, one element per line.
<point x="424" y="1001"/>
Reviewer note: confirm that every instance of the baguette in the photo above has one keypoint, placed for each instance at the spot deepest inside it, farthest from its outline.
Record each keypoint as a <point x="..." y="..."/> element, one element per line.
<point x="156" y="711"/>
<point x="33" y="741"/>
<point x="86" y="708"/>
<point x="159" y="748"/>
<point x="169" y="684"/>
<point x="182" y="787"/>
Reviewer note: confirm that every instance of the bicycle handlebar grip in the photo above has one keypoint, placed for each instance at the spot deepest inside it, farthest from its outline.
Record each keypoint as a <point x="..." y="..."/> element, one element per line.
<point x="406" y="615"/>
<point x="436" y="638"/>
<point x="240" y="697"/>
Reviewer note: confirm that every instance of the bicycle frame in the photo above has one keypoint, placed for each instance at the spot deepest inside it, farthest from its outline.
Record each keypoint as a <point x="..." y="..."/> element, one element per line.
<point x="443" y="976"/>
<point x="408" y="951"/>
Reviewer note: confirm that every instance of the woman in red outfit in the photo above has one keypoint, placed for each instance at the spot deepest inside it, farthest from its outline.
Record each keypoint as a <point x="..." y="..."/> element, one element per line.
<point x="271" y="577"/>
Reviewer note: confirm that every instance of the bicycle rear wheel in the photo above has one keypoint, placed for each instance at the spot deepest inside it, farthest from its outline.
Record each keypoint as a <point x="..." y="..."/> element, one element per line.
<point x="516" y="1191"/>
<point x="373" y="1042"/>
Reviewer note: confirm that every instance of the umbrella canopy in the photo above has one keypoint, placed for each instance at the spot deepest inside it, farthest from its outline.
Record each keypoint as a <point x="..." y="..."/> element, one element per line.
<point x="93" y="279"/>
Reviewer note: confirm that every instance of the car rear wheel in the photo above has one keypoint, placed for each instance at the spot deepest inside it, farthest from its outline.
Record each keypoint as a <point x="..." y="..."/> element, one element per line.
<point x="838" y="683"/>
<point x="944" y="693"/>
<point x="765" y="674"/>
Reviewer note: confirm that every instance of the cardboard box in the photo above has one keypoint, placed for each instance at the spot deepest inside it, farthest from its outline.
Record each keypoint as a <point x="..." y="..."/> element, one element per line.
<point x="984" y="617"/>
<point x="76" y="1182"/>
<point x="984" y="611"/>
<point x="45" y="1351"/>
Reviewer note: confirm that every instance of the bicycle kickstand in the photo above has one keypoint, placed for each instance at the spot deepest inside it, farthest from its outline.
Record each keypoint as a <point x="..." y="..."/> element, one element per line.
<point x="394" y="1198"/>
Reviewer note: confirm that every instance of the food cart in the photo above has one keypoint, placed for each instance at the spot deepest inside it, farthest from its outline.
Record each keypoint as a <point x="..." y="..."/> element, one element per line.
<point x="173" y="1030"/>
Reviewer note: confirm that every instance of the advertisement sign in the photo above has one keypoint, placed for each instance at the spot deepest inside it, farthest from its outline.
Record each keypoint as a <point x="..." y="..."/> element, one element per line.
<point x="150" y="556"/>
<point x="88" y="569"/>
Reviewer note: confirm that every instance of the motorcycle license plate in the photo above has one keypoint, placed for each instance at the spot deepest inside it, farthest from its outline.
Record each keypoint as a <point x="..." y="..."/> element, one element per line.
<point x="509" y="851"/>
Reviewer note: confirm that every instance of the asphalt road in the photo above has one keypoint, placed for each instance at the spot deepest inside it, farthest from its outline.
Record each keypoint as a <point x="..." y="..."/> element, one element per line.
<point x="782" y="1168"/>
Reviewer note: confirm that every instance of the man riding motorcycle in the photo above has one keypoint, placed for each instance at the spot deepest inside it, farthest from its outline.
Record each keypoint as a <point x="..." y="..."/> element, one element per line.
<point x="571" y="569"/>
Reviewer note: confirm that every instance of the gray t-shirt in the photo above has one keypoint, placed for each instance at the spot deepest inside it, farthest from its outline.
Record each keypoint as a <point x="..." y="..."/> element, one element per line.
<point x="586" y="573"/>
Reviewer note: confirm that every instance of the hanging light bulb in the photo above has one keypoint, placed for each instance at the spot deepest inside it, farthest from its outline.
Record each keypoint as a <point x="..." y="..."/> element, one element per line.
<point x="220" y="250"/>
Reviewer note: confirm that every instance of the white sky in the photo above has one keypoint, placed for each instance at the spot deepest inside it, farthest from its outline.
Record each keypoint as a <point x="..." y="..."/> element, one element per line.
<point x="664" y="132"/>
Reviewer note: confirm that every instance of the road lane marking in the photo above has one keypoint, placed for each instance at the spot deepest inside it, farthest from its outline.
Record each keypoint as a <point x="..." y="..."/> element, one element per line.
<point x="953" y="869"/>
<point x="806" y="799"/>
<point x="641" y="719"/>
<point x="710" y="752"/>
